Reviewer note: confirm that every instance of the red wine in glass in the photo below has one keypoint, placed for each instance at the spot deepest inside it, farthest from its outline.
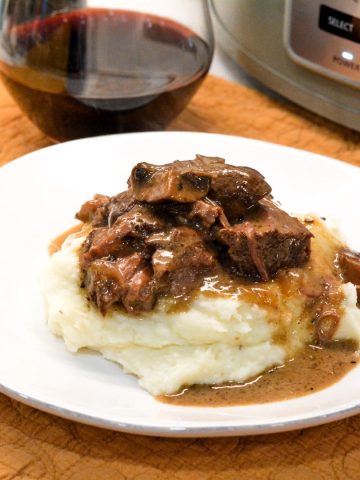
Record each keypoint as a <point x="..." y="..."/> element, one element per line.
<point x="98" y="71"/>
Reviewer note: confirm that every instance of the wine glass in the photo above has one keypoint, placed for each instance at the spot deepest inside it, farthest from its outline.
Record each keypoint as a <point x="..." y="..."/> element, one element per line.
<point x="81" y="68"/>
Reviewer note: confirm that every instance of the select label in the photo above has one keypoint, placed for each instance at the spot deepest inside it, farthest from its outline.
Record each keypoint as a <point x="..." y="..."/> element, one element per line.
<point x="339" y="23"/>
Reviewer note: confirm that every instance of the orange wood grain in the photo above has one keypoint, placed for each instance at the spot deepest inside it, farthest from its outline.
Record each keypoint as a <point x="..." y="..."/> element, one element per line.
<point x="35" y="445"/>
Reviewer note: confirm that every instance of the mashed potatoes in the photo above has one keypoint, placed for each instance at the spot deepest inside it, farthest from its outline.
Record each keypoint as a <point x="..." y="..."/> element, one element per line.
<point x="217" y="339"/>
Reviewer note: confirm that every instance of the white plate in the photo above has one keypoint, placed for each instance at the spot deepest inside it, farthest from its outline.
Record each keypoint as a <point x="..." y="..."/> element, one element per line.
<point x="39" y="195"/>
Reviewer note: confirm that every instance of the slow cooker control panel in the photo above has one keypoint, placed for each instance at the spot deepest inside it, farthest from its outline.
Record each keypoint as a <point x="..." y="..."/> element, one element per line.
<point x="325" y="37"/>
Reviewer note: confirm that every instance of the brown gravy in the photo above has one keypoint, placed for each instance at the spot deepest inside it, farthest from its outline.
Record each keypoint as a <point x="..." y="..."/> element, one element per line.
<point x="56" y="244"/>
<point x="313" y="369"/>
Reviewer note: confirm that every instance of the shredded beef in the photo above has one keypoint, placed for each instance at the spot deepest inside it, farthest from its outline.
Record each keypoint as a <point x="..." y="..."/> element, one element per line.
<point x="179" y="224"/>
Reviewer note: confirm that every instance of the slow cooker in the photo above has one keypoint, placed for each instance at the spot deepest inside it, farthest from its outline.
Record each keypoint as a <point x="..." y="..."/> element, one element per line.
<point x="306" y="50"/>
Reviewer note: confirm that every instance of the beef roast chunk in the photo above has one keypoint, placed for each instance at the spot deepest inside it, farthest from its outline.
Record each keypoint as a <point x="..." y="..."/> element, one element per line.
<point x="267" y="241"/>
<point x="349" y="262"/>
<point x="103" y="210"/>
<point x="140" y="295"/>
<point x="106" y="281"/>
<point x="93" y="210"/>
<point x="141" y="221"/>
<point x="118" y="205"/>
<point x="137" y="223"/>
<point x="207" y="212"/>
<point x="235" y="188"/>
<point x="126" y="280"/>
<point x="202" y="214"/>
<point x="180" y="262"/>
<point x="104" y="242"/>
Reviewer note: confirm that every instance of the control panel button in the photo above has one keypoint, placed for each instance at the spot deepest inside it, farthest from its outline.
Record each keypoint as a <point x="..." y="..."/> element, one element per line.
<point x="325" y="38"/>
<point x="339" y="23"/>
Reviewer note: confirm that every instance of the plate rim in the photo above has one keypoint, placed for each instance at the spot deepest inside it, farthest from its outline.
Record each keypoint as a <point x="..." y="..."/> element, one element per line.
<point x="181" y="432"/>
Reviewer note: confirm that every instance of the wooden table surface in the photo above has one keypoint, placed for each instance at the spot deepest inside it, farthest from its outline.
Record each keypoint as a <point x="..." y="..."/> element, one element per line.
<point x="35" y="445"/>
